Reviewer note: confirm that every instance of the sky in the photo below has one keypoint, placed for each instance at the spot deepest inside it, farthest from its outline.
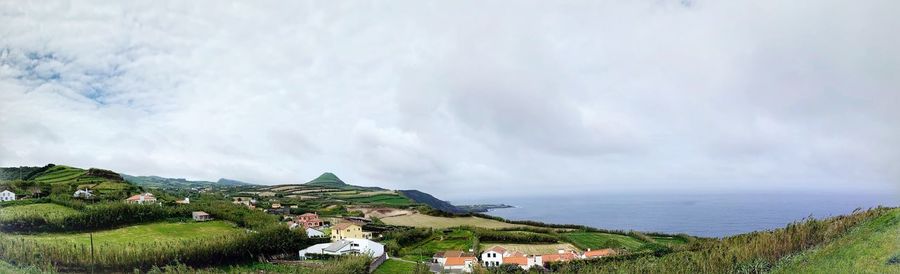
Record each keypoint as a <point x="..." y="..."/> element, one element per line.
<point x="461" y="98"/>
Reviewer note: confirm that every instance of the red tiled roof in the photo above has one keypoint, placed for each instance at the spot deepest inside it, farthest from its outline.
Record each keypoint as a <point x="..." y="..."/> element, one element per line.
<point x="567" y="256"/>
<point x="458" y="261"/>
<point x="342" y="226"/>
<point x="600" y="253"/>
<point x="519" y="260"/>
<point x="498" y="249"/>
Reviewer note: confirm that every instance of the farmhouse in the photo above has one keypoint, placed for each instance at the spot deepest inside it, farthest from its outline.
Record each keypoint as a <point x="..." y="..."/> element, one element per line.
<point x="7" y="195"/>
<point x="498" y="255"/>
<point x="201" y="216"/>
<point x="184" y="202"/>
<point x="348" y="230"/>
<point x="349" y="246"/>
<point x="453" y="261"/>
<point x="141" y="199"/>
<point x="309" y="220"/>
<point x="83" y="194"/>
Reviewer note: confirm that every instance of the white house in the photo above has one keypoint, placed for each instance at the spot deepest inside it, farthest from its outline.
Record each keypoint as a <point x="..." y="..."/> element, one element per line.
<point x="493" y="256"/>
<point x="346" y="246"/>
<point x="7" y="195"/>
<point x="312" y="233"/>
<point x="82" y="193"/>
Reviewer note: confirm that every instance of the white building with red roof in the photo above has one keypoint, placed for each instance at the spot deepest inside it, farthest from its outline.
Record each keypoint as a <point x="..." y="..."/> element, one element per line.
<point x="141" y="199"/>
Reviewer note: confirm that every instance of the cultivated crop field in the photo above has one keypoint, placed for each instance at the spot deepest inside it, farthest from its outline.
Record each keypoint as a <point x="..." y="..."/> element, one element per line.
<point x="50" y="212"/>
<point x="136" y="235"/>
<point x="598" y="240"/>
<point x="421" y="220"/>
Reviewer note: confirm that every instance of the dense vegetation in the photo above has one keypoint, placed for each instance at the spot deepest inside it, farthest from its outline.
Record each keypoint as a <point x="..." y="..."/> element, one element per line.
<point x="266" y="237"/>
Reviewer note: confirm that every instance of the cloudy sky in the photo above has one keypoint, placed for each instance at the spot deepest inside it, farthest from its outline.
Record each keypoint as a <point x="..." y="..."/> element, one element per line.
<point x="461" y="98"/>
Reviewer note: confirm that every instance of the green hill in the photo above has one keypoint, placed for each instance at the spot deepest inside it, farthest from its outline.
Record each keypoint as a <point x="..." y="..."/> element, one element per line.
<point x="64" y="180"/>
<point x="328" y="179"/>
<point x="871" y="247"/>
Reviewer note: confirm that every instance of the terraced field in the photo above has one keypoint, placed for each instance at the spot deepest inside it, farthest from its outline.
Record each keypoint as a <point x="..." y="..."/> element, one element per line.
<point x="60" y="174"/>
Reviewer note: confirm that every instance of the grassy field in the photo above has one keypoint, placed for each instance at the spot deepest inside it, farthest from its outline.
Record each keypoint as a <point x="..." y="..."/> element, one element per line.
<point x="128" y="236"/>
<point x="532" y="249"/>
<point x="49" y="212"/>
<point x="668" y="240"/>
<point x="598" y="240"/>
<point x="866" y="249"/>
<point x="8" y="268"/>
<point x="421" y="220"/>
<point x="387" y="199"/>
<point x="394" y="266"/>
<point x="458" y="239"/>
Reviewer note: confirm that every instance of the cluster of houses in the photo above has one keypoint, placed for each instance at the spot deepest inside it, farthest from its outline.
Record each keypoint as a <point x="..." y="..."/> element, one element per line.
<point x="347" y="237"/>
<point x="459" y="261"/>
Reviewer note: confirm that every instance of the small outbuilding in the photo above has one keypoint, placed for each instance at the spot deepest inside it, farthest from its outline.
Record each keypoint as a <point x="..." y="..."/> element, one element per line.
<point x="201" y="216"/>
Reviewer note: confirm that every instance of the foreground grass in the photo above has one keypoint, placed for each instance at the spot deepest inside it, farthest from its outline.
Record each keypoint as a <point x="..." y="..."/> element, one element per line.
<point x="866" y="249"/>
<point x="394" y="266"/>
<point x="598" y="240"/>
<point x="422" y="220"/>
<point x="8" y="268"/>
<point x="49" y="212"/>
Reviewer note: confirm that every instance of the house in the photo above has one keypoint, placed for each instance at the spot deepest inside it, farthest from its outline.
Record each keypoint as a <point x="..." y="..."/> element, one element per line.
<point x="493" y="256"/>
<point x="312" y="233"/>
<point x="497" y="255"/>
<point x="348" y="230"/>
<point x="201" y="216"/>
<point x="600" y="253"/>
<point x="83" y="194"/>
<point x="349" y="246"/>
<point x="7" y="195"/>
<point x="141" y="199"/>
<point x="560" y="256"/>
<point x="246" y="201"/>
<point x="184" y="202"/>
<point x="453" y="261"/>
<point x="276" y="205"/>
<point x="309" y="220"/>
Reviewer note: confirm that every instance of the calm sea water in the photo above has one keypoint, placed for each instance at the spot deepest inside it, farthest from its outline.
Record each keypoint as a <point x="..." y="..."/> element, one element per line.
<point x="710" y="215"/>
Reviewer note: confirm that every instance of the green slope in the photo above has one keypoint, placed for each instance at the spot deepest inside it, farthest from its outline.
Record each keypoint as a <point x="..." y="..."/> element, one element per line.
<point x="327" y="179"/>
<point x="64" y="180"/>
<point x="866" y="249"/>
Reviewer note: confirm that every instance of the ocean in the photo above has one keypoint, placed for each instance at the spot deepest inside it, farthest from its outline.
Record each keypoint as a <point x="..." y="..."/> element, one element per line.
<point x="707" y="215"/>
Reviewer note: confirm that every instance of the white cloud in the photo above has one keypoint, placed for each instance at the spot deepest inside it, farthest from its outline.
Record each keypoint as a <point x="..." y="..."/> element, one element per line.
<point x="446" y="96"/>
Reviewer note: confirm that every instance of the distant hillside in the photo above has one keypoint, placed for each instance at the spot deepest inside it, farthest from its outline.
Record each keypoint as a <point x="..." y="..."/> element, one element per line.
<point x="329" y="180"/>
<point x="425" y="198"/>
<point x="230" y="182"/>
<point x="64" y="180"/>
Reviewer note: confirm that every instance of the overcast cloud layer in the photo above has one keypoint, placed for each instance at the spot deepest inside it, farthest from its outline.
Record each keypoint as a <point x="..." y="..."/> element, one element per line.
<point x="461" y="98"/>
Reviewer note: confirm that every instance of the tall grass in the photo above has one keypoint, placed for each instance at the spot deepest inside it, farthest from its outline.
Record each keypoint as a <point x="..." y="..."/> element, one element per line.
<point x="754" y="252"/>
